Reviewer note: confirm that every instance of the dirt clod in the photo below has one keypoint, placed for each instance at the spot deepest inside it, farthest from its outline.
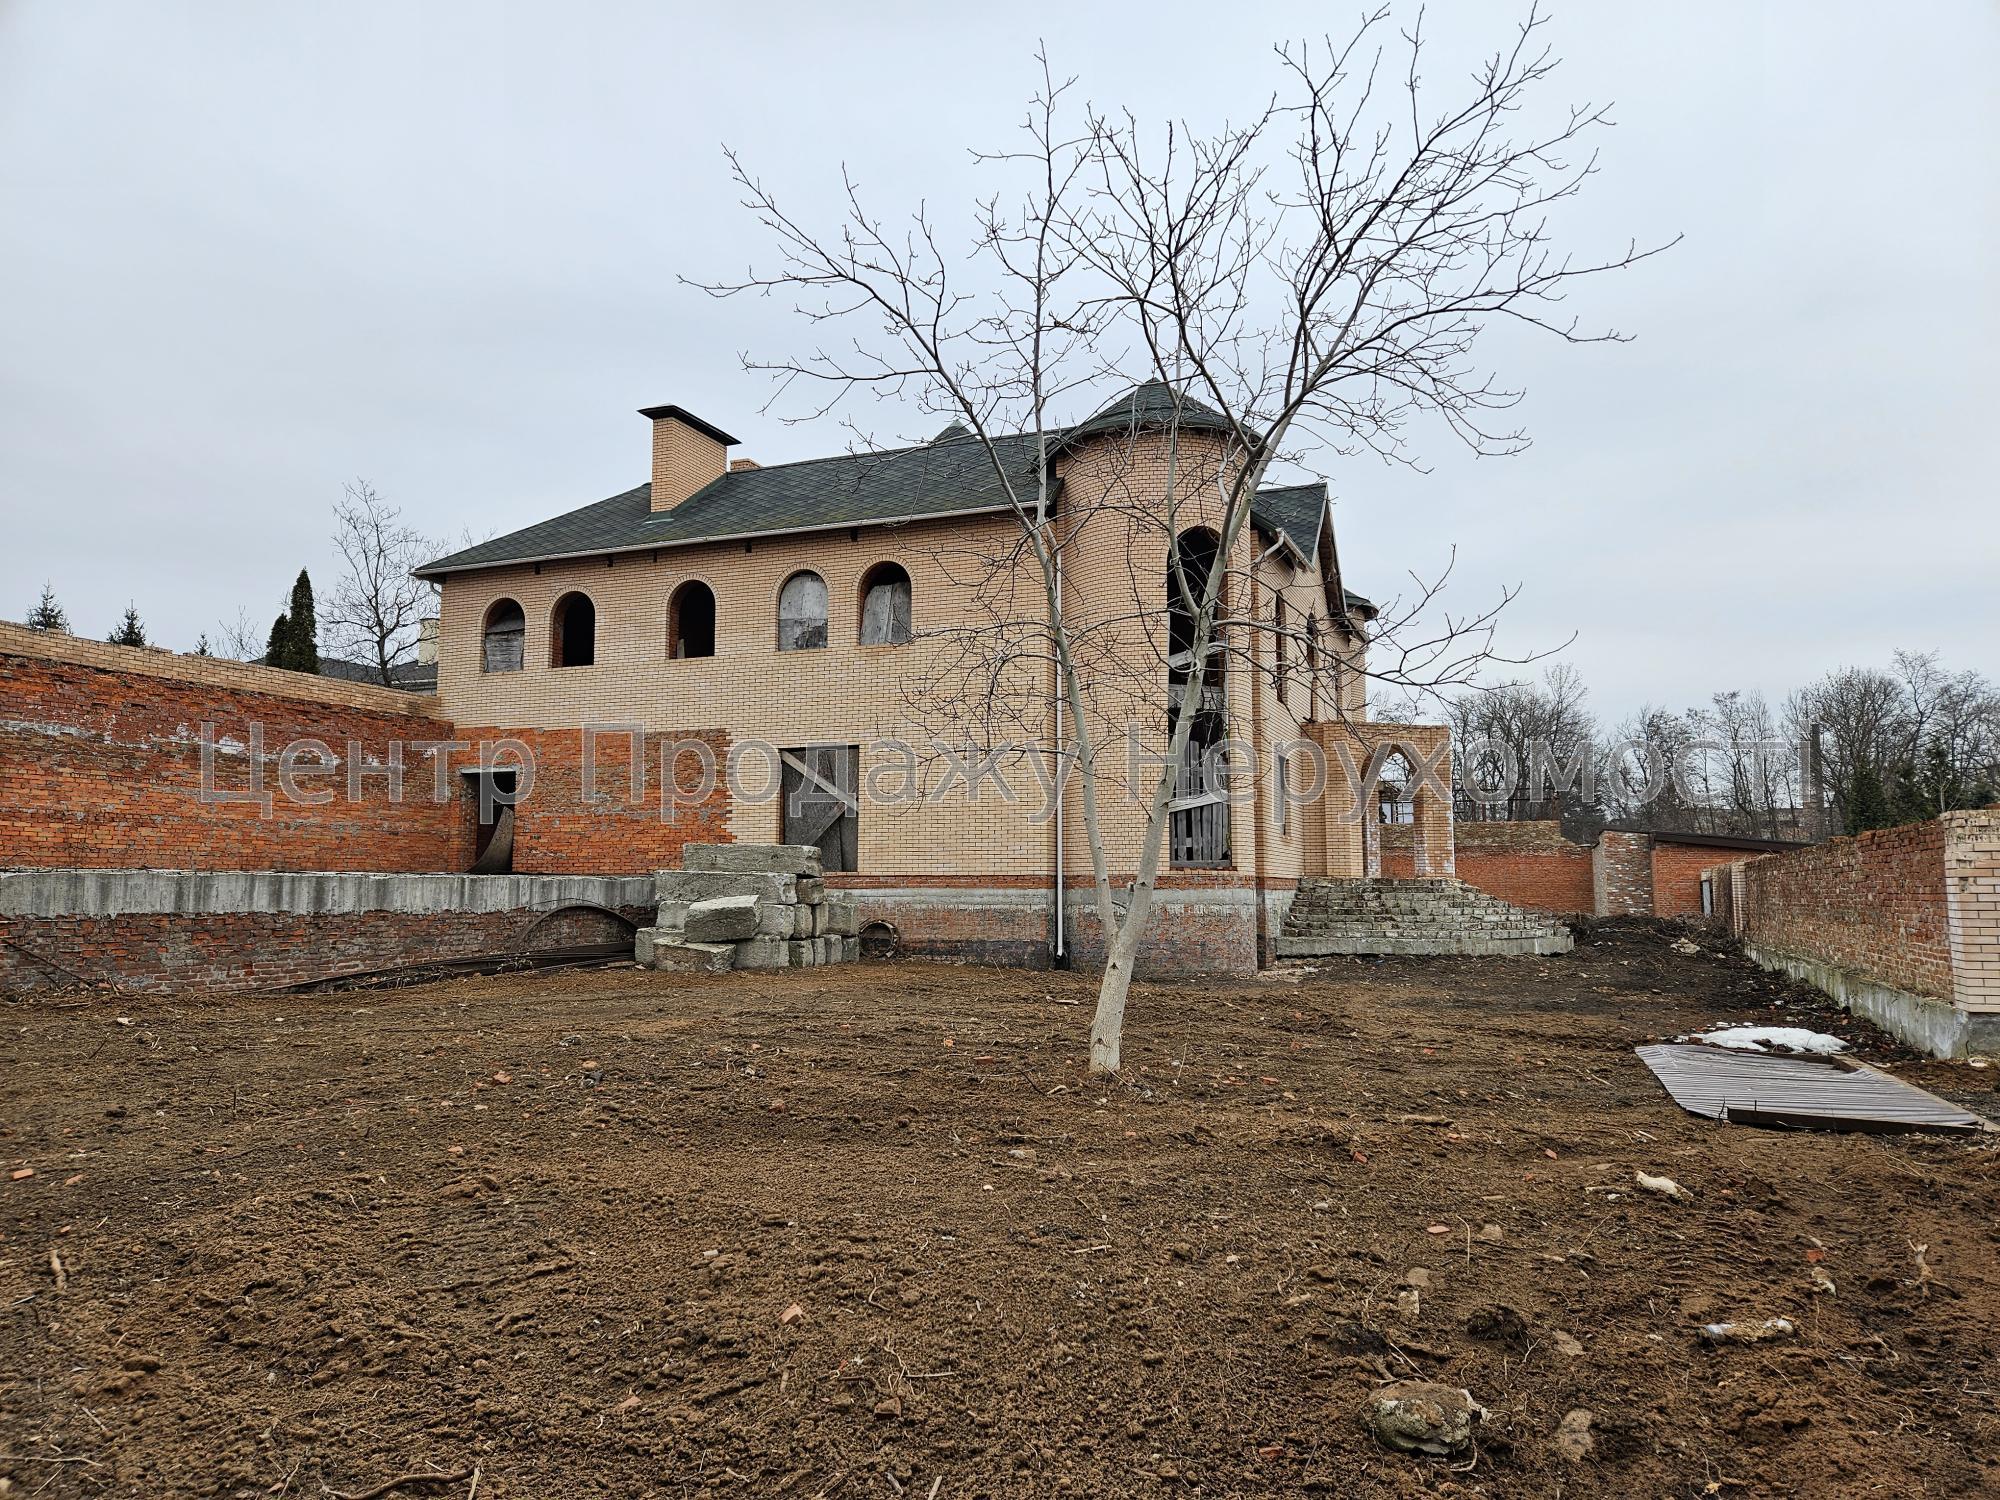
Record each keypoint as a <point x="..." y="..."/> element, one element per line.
<point x="1423" y="1416"/>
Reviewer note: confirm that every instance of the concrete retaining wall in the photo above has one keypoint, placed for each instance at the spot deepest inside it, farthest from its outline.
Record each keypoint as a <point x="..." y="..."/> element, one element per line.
<point x="1922" y="1021"/>
<point x="202" y="932"/>
<point x="1206" y="928"/>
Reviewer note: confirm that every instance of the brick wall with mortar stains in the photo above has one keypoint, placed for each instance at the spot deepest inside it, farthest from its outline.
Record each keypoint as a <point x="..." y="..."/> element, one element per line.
<point x="103" y="749"/>
<point x="1874" y="903"/>
<point x="1621" y="870"/>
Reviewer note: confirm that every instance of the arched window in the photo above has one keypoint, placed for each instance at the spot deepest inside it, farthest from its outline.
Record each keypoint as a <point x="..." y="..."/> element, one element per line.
<point x="501" y="637"/>
<point x="802" y="613"/>
<point x="573" y="632"/>
<point x="691" y="620"/>
<point x="1193" y="560"/>
<point x="1198" y="833"/>
<point x="885" y="605"/>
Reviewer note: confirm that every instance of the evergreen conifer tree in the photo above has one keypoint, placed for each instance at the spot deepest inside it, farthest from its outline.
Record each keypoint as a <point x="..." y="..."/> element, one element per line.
<point x="47" y="614"/>
<point x="303" y="632"/>
<point x="130" y="631"/>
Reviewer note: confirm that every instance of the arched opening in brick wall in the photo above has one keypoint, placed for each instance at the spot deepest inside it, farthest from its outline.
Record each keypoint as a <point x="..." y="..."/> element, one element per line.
<point x="691" y="621"/>
<point x="573" y="632"/>
<point x="802" y="613"/>
<point x="885" y="605"/>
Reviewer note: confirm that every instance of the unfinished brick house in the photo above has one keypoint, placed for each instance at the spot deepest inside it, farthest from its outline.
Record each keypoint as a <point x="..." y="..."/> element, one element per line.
<point x="734" y="654"/>
<point x="809" y="607"/>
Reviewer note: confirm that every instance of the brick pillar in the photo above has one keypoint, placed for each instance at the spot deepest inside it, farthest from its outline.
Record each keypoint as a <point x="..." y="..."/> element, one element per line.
<point x="1972" y="907"/>
<point x="1621" y="874"/>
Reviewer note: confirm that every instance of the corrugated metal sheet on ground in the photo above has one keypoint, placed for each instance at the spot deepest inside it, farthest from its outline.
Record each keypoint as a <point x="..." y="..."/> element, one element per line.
<point x="1749" y="1088"/>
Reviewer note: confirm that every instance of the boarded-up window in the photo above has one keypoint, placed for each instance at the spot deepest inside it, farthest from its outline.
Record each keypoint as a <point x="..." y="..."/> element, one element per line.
<point x="506" y="629"/>
<point x="885" y="606"/>
<point x="820" y="805"/>
<point x="802" y="613"/>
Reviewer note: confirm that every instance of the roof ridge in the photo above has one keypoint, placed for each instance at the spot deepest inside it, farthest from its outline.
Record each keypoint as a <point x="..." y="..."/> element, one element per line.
<point x="835" y="458"/>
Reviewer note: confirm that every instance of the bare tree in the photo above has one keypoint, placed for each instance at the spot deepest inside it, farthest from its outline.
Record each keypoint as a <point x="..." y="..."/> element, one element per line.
<point x="1862" y="712"/>
<point x="1307" y="284"/>
<point x="377" y="606"/>
<point x="1522" y="749"/>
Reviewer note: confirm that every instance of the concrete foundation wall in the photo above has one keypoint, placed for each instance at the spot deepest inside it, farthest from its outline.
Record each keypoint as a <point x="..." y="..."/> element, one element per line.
<point x="1922" y="1021"/>
<point x="196" y="932"/>
<point x="1207" y="928"/>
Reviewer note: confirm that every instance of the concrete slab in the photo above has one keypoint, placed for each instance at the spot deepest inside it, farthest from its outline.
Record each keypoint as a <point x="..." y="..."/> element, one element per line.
<point x="752" y="859"/>
<point x="699" y="885"/>
<point x="697" y="958"/>
<point x="721" y="919"/>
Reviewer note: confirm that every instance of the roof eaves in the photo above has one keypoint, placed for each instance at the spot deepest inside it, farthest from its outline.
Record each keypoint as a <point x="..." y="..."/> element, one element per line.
<point x="660" y="544"/>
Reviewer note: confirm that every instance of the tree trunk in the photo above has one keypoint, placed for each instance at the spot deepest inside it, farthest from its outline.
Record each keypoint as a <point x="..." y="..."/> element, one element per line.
<point x="1107" y="1027"/>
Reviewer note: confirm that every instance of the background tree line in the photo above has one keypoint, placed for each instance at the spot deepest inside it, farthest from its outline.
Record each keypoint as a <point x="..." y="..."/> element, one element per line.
<point x="1884" y="746"/>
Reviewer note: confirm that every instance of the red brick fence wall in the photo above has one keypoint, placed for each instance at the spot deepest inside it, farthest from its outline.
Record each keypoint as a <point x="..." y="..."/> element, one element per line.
<point x="1874" y="903"/>
<point x="1528" y="863"/>
<point x="103" y="748"/>
<point x="1903" y="924"/>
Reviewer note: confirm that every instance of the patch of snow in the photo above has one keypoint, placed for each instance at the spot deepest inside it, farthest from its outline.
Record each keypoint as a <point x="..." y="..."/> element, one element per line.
<point x="1773" y="1039"/>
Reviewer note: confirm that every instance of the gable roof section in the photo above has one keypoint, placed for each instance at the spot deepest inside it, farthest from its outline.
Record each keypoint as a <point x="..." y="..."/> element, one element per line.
<point x="1297" y="510"/>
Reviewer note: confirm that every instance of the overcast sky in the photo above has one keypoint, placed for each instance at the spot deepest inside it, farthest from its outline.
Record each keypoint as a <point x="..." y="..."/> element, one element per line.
<point x="248" y="251"/>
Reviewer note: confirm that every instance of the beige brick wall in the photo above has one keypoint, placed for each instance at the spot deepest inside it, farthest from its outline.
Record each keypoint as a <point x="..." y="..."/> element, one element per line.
<point x="844" y="694"/>
<point x="683" y="461"/>
<point x="1972" y="904"/>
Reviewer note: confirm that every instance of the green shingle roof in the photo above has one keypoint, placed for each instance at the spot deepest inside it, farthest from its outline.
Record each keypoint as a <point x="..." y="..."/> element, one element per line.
<point x="948" y="476"/>
<point x="1150" y="405"/>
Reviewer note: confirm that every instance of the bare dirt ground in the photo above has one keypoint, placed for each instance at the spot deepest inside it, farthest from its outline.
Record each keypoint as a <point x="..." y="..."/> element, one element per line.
<point x="873" y="1232"/>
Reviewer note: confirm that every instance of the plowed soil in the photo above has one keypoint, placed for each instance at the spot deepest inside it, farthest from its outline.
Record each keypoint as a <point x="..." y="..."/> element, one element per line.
<point x="873" y="1231"/>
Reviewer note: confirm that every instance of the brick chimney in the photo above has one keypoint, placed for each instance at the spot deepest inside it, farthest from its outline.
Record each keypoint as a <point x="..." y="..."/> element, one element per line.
<point x="687" y="454"/>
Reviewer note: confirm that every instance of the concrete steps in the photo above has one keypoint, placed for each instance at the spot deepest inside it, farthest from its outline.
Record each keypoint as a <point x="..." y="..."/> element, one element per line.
<point x="1428" y="916"/>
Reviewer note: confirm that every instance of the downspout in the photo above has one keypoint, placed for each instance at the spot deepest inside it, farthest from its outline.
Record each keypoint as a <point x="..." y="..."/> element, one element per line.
<point x="1260" y="813"/>
<point x="1060" y="959"/>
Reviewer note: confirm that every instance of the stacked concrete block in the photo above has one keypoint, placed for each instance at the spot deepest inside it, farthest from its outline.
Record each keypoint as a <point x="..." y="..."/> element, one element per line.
<point x="748" y="906"/>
